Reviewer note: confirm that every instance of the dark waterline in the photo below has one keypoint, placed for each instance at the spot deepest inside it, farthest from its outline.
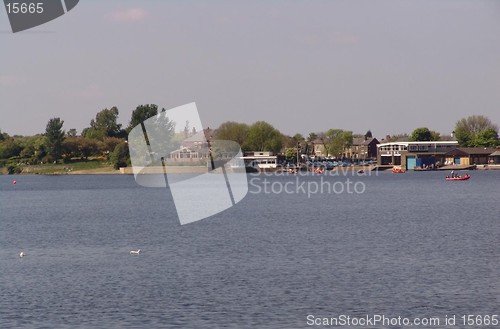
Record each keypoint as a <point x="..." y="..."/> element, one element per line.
<point x="411" y="245"/>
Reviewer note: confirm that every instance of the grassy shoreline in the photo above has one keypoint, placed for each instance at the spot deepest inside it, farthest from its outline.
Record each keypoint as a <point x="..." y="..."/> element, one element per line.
<point x="91" y="167"/>
<point x="96" y="167"/>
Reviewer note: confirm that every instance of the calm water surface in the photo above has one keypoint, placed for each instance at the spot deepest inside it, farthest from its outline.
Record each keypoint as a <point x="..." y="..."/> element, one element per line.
<point x="411" y="245"/>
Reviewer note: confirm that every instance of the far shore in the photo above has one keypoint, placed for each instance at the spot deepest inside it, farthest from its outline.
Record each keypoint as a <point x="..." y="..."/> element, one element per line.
<point x="104" y="169"/>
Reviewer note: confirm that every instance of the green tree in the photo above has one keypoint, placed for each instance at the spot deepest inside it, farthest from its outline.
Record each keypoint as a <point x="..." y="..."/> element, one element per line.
<point x="291" y="154"/>
<point x="298" y="138"/>
<point x="88" y="147"/>
<point x="71" y="133"/>
<point x="468" y="129"/>
<point x="421" y="134"/>
<point x="38" y="143"/>
<point x="93" y="133"/>
<point x="486" y="138"/>
<point x="120" y="156"/>
<point x="109" y="144"/>
<point x="312" y="137"/>
<point x="435" y="136"/>
<point x="335" y="141"/>
<point x="71" y="147"/>
<point x="369" y="134"/>
<point x="141" y="113"/>
<point x="105" y="124"/>
<point x="232" y="131"/>
<point x="295" y="141"/>
<point x="54" y="137"/>
<point x="28" y="152"/>
<point x="263" y="137"/>
<point x="10" y="148"/>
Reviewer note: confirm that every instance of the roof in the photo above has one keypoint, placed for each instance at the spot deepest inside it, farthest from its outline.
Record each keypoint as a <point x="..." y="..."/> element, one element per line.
<point x="471" y="151"/>
<point x="495" y="154"/>
<point x="183" y="149"/>
<point x="200" y="136"/>
<point x="403" y="139"/>
<point x="362" y="141"/>
<point x="437" y="143"/>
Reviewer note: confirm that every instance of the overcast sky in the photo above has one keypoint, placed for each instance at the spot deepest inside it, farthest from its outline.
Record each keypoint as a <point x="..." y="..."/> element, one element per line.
<point x="388" y="66"/>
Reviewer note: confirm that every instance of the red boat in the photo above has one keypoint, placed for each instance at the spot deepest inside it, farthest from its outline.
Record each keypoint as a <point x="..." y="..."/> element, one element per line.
<point x="398" y="171"/>
<point x="465" y="177"/>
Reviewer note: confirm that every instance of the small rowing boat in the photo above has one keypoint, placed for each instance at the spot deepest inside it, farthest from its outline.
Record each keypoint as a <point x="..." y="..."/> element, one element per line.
<point x="465" y="177"/>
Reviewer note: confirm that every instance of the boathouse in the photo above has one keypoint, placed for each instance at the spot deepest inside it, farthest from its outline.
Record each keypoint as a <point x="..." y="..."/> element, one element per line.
<point x="495" y="158"/>
<point x="469" y="156"/>
<point x="409" y="155"/>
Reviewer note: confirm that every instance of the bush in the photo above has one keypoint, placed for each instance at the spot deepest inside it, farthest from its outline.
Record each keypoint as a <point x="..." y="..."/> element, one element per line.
<point x="13" y="170"/>
<point x="120" y="156"/>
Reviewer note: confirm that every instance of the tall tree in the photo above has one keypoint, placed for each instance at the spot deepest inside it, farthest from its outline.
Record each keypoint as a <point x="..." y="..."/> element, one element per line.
<point x="486" y="138"/>
<point x="54" y="137"/>
<point x="468" y="129"/>
<point x="338" y="140"/>
<point x="141" y="113"/>
<point x="263" y="137"/>
<point x="232" y="131"/>
<point x="421" y="134"/>
<point x="106" y="121"/>
<point x="295" y="141"/>
<point x="335" y="141"/>
<point x="312" y="137"/>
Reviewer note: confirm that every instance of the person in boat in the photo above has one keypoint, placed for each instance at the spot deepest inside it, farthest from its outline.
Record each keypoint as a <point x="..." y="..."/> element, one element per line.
<point x="452" y="174"/>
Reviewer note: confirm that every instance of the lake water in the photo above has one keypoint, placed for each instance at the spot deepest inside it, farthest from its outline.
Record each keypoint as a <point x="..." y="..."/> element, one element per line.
<point x="411" y="245"/>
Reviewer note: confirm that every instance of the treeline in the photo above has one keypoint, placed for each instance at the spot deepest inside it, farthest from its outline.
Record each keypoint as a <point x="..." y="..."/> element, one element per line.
<point x="473" y="131"/>
<point x="106" y="140"/>
<point x="262" y="136"/>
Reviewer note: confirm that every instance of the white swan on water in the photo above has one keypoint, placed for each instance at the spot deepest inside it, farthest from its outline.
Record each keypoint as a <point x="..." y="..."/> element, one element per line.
<point x="22" y="254"/>
<point x="135" y="252"/>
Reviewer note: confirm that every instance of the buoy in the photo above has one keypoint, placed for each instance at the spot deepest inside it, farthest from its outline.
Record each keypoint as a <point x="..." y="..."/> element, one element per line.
<point x="22" y="254"/>
<point x="14" y="182"/>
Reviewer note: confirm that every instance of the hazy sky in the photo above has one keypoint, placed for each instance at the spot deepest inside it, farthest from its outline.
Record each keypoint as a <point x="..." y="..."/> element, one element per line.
<point x="388" y="66"/>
